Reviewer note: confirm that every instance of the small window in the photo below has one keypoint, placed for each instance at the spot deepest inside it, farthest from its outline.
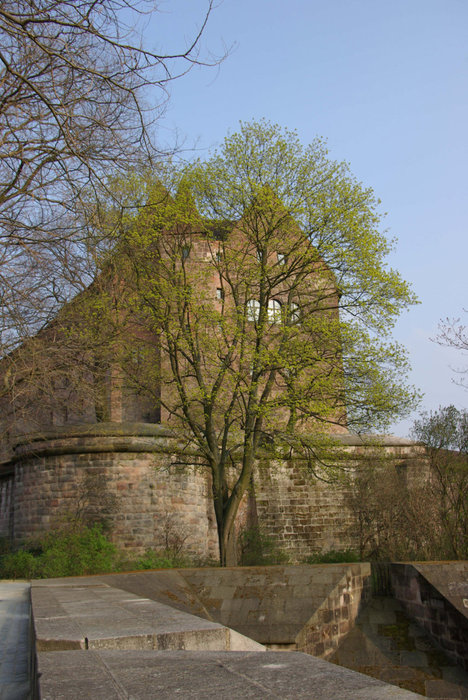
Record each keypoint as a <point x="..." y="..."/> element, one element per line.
<point x="185" y="252"/>
<point x="218" y="256"/>
<point x="281" y="259"/>
<point x="294" y="313"/>
<point x="253" y="310"/>
<point x="274" y="311"/>
<point x="136" y="357"/>
<point x="219" y="293"/>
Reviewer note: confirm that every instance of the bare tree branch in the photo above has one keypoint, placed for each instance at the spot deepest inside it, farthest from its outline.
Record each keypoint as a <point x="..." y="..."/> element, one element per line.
<point x="454" y="334"/>
<point x="73" y="78"/>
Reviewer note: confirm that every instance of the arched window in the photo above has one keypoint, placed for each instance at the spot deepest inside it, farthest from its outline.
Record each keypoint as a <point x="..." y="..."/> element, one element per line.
<point x="253" y="310"/>
<point x="274" y="311"/>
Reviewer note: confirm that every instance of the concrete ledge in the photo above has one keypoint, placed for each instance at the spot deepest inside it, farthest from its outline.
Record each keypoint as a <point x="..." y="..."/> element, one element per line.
<point x="101" y="617"/>
<point x="142" y="675"/>
<point x="17" y="651"/>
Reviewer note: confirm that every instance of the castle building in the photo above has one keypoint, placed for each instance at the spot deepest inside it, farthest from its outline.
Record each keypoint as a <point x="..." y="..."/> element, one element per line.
<point x="93" y="408"/>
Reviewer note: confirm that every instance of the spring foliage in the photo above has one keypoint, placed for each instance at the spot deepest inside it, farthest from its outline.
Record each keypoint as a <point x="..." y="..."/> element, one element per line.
<point x="262" y="272"/>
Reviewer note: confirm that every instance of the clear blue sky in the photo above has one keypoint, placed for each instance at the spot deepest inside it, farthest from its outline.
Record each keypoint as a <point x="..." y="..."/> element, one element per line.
<point x="386" y="83"/>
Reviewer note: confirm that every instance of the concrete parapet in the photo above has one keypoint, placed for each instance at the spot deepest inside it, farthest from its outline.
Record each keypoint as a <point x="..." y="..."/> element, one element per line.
<point x="97" y="616"/>
<point x="310" y="607"/>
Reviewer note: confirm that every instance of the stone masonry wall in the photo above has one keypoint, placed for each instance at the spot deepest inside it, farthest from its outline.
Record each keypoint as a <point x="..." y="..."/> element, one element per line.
<point x="302" y="514"/>
<point x="308" y="608"/>
<point x="6" y="504"/>
<point x="127" y="475"/>
<point x="335" y="616"/>
<point x="447" y="625"/>
<point x="147" y="502"/>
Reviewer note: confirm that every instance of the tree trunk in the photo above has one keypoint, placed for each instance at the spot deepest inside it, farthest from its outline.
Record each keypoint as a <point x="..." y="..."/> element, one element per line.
<point x="227" y="541"/>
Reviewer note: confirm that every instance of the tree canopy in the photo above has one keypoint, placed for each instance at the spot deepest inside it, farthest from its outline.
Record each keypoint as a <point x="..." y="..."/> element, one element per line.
<point x="262" y="273"/>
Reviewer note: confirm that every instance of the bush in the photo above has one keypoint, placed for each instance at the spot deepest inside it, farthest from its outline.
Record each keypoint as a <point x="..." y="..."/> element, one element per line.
<point x="69" y="551"/>
<point x="19" y="564"/>
<point x="158" y="560"/>
<point x="258" y="549"/>
<point x="333" y="556"/>
<point x="5" y="545"/>
<point x="76" y="551"/>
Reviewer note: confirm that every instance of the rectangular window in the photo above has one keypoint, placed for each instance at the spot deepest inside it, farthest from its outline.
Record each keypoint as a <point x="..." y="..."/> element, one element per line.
<point x="219" y="293"/>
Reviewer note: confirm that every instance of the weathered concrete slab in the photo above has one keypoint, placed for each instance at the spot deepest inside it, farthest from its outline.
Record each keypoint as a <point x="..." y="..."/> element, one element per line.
<point x="98" y="616"/>
<point x="166" y="586"/>
<point x="271" y="604"/>
<point x="17" y="668"/>
<point x="142" y="675"/>
<point x="163" y="585"/>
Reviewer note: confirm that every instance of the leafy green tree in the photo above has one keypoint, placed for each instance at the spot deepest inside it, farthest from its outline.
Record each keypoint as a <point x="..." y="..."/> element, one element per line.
<point x="262" y="274"/>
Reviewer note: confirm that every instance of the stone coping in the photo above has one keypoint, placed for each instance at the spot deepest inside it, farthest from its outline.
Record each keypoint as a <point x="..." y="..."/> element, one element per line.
<point x="146" y="437"/>
<point x="449" y="578"/>
<point x="91" y="438"/>
<point x="159" y="430"/>
<point x="82" y="430"/>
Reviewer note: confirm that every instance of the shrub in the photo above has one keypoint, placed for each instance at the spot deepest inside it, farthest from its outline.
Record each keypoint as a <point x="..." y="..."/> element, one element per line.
<point x="75" y="551"/>
<point x="333" y="556"/>
<point x="153" y="559"/>
<point x="19" y="564"/>
<point x="258" y="549"/>
<point x="68" y="551"/>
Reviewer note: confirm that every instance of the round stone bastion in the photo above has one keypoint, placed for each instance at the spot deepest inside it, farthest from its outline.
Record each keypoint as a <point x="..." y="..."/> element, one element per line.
<point x="134" y="478"/>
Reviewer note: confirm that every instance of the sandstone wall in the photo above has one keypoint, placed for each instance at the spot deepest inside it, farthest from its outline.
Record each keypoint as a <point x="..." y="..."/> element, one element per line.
<point x="127" y="480"/>
<point x="302" y="514"/>
<point x="305" y="513"/>
<point x="430" y="594"/>
<point x="130" y="476"/>
<point x="6" y="504"/>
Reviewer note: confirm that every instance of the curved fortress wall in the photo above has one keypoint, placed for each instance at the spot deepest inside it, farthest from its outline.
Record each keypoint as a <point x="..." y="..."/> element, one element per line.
<point x="123" y="477"/>
<point x="153" y="494"/>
